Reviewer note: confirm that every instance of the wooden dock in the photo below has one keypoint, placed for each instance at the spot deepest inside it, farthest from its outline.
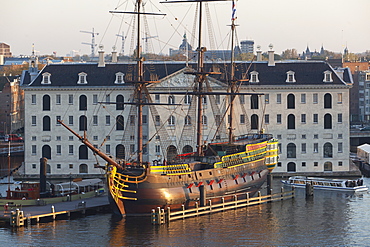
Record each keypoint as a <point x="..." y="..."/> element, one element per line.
<point x="161" y="216"/>
<point x="35" y="214"/>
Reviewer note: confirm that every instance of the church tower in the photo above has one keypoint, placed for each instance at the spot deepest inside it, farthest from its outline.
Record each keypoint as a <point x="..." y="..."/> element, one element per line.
<point x="33" y="64"/>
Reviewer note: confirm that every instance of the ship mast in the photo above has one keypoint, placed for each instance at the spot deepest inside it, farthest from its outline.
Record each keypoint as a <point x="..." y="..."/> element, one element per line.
<point x="232" y="82"/>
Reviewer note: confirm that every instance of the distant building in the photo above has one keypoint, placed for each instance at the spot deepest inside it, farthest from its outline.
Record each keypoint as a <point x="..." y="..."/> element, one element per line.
<point x="247" y="46"/>
<point x="5" y="50"/>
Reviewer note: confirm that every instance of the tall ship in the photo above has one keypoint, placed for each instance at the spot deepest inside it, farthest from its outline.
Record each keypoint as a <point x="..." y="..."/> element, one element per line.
<point x="222" y="168"/>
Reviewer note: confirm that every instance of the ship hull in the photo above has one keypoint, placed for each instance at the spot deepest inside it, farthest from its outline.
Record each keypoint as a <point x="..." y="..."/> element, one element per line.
<point x="174" y="191"/>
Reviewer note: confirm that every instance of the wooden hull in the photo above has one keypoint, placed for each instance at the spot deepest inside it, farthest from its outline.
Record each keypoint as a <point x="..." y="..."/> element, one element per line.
<point x="160" y="190"/>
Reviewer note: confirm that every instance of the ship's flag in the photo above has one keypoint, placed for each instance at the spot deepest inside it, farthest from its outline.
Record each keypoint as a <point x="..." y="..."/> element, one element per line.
<point x="233" y="11"/>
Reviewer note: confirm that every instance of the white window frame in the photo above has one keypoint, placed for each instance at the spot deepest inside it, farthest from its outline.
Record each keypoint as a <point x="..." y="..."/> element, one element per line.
<point x="290" y="76"/>
<point x="82" y="78"/>
<point x="119" y="78"/>
<point x="328" y="76"/>
<point x="46" y="78"/>
<point x="254" y="77"/>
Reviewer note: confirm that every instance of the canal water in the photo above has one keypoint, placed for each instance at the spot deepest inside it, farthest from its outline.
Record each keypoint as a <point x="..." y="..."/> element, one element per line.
<point x="326" y="219"/>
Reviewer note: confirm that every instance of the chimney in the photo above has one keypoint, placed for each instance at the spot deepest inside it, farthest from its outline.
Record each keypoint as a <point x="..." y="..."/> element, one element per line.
<point x="114" y="57"/>
<point x="259" y="54"/>
<point x="101" y="58"/>
<point x="271" y="56"/>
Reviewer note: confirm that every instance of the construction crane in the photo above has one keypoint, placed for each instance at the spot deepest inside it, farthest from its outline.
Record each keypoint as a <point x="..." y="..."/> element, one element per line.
<point x="92" y="44"/>
<point x="146" y="41"/>
<point x="123" y="42"/>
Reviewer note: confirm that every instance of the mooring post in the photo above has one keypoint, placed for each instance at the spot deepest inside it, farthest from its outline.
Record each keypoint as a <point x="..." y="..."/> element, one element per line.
<point x="53" y="211"/>
<point x="223" y="202"/>
<point x="183" y="210"/>
<point x="282" y="193"/>
<point x="202" y="194"/>
<point x="269" y="183"/>
<point x="309" y="190"/>
<point x="168" y="215"/>
<point x="197" y="207"/>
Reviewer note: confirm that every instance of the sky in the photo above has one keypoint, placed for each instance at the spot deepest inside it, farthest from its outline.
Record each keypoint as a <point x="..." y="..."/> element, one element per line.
<point x="56" y="25"/>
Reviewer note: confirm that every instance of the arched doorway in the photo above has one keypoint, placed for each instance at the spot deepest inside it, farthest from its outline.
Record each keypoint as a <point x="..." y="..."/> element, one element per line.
<point x="291" y="167"/>
<point x="328" y="166"/>
<point x="120" y="151"/>
<point x="46" y="151"/>
<point x="83" y="168"/>
<point x="187" y="149"/>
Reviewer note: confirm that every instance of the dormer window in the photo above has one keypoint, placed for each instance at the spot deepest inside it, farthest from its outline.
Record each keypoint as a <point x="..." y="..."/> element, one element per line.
<point x="82" y="78"/>
<point x="46" y="78"/>
<point x="119" y="78"/>
<point x="367" y="76"/>
<point x="254" y="77"/>
<point x="290" y="76"/>
<point x="327" y="76"/>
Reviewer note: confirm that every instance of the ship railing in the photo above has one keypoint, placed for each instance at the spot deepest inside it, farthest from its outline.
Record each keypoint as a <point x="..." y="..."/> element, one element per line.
<point x="161" y="216"/>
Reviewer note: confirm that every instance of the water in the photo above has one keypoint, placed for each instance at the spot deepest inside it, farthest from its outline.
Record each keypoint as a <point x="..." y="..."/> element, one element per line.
<point x="329" y="218"/>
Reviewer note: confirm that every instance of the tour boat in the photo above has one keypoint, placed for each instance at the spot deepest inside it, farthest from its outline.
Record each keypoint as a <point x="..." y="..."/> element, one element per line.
<point x="354" y="185"/>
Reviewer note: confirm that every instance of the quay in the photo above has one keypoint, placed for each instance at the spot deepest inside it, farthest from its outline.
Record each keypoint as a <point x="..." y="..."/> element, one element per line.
<point x="22" y="216"/>
<point x="162" y="216"/>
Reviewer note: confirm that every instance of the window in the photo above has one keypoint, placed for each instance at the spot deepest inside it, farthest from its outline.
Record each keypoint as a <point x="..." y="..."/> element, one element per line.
<point x="291" y="150"/>
<point x="340" y="117"/>
<point x="70" y="166"/>
<point x="33" y="150"/>
<point x="145" y="119"/>
<point x="315" y="147"/>
<point x="119" y="103"/>
<point x="95" y="99"/>
<point x="340" y="98"/>
<point x="340" y="147"/>
<point x="327" y="76"/>
<point x="327" y="121"/>
<point x="280" y="149"/>
<point x="59" y="149"/>
<point x="303" y="147"/>
<point x="157" y="98"/>
<point x="267" y="98"/>
<point x="119" y="78"/>
<point x="340" y="136"/>
<point x="70" y="149"/>
<point x="107" y="149"/>
<point x="58" y="118"/>
<point x="187" y="120"/>
<point x="254" y="122"/>
<point x="267" y="118"/>
<point x="46" y="103"/>
<point x="58" y="138"/>
<point x="218" y="120"/>
<point x="291" y="121"/>
<point x="70" y="120"/>
<point x="204" y="100"/>
<point x="278" y="98"/>
<point x="303" y="136"/>
<point x="290" y="76"/>
<point x="120" y="123"/>
<point x="59" y="166"/>
<point x="82" y="78"/>
<point x="315" y="98"/>
<point x="315" y="136"/>
<point x="303" y="164"/>
<point x="33" y="99"/>
<point x="242" y="119"/>
<point x="95" y="120"/>
<point x="70" y="99"/>
<point x="303" y="98"/>
<point x="46" y="125"/>
<point x="187" y="99"/>
<point x="254" y="76"/>
<point x="171" y="120"/>
<point x="171" y="100"/>
<point x="315" y="163"/>
<point x="278" y="118"/>
<point x="327" y="101"/>
<point x="157" y="120"/>
<point x="204" y="120"/>
<point x="33" y="166"/>
<point x="107" y="120"/>
<point x="328" y="150"/>
<point x="107" y="98"/>
<point x="291" y="101"/>
<point x="157" y="149"/>
<point x="83" y="103"/>
<point x="303" y="118"/>
<point x="315" y="118"/>
<point x="340" y="163"/>
<point x="58" y="100"/>
<point x="83" y="123"/>
<point x="46" y="78"/>
<point x="33" y="120"/>
<point x="254" y="102"/>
